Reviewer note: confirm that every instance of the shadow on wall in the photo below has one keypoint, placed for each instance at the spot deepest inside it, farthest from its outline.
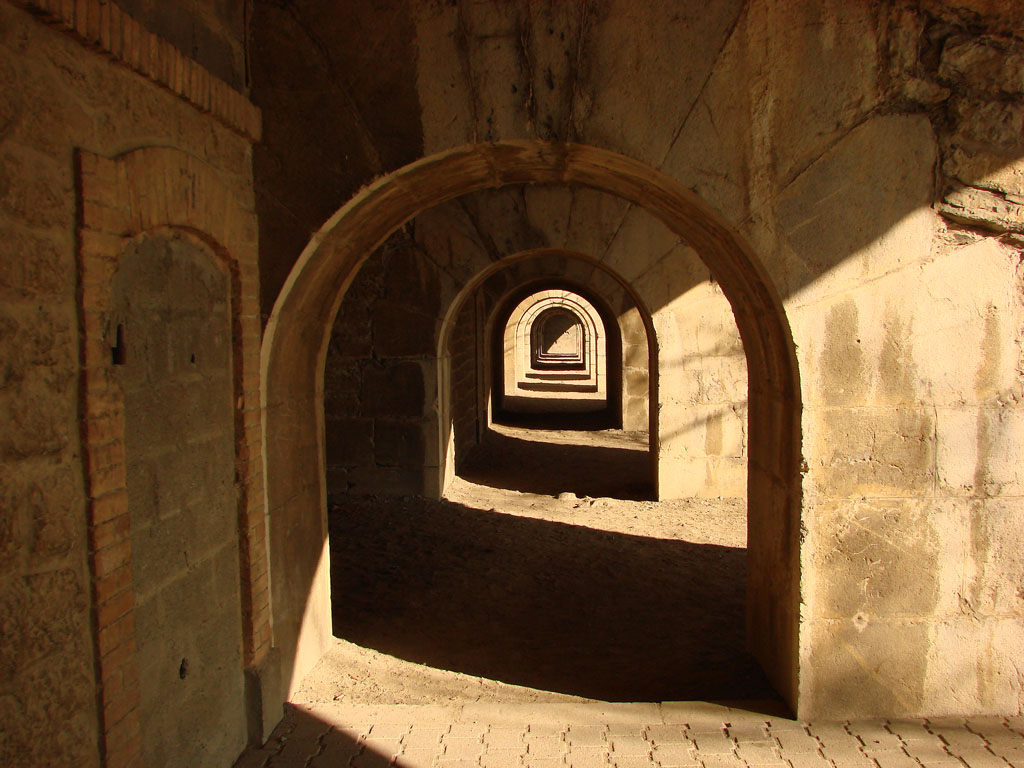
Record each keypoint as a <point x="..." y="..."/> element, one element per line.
<point x="558" y="607"/>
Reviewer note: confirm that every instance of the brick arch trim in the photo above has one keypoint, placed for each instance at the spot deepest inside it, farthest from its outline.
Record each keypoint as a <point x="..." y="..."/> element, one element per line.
<point x="147" y="191"/>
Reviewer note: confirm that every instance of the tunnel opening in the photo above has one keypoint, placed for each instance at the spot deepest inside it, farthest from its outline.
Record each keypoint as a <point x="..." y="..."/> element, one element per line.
<point x="550" y="505"/>
<point x="342" y="246"/>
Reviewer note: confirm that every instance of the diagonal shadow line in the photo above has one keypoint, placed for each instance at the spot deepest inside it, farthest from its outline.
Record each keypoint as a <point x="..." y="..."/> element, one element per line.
<point x="504" y="461"/>
<point x="548" y="605"/>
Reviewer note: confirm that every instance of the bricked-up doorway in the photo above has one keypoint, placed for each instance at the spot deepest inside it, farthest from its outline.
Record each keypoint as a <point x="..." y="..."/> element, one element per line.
<point x="172" y="358"/>
<point x="299" y="327"/>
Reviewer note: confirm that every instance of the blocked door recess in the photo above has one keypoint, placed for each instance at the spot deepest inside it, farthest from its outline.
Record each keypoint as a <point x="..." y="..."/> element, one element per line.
<point x="178" y="210"/>
<point x="172" y="356"/>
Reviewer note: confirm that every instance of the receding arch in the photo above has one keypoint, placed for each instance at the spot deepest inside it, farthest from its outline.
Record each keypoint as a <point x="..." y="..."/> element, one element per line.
<point x="578" y="272"/>
<point x="298" y="330"/>
<point x="522" y="333"/>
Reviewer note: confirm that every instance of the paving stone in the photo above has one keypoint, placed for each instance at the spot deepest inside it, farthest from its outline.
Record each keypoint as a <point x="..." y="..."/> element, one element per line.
<point x="982" y="723"/>
<point x="797" y="742"/>
<point x="629" y="744"/>
<point x="582" y="737"/>
<point x="720" y="761"/>
<point x="504" y="738"/>
<point x="749" y="732"/>
<point x="1003" y="737"/>
<point x="894" y="760"/>
<point x="838" y="741"/>
<point x="929" y="751"/>
<point x="757" y="753"/>
<point x="544" y="730"/>
<point x="675" y="755"/>
<point x="422" y="738"/>
<point x="666" y="734"/>
<point x="852" y="759"/>
<point x="282" y="762"/>
<point x="713" y="743"/>
<point x="299" y="749"/>
<point x="630" y="761"/>
<point x="384" y="747"/>
<point x="781" y="725"/>
<point x="1016" y="723"/>
<point x="502" y="757"/>
<point x="961" y="739"/>
<point x="550" y="747"/>
<point x="866" y="728"/>
<point x="544" y="762"/>
<point x="586" y="735"/>
<point x="587" y="759"/>
<point x="389" y="731"/>
<point x="1010" y="753"/>
<point x="806" y="760"/>
<point x="411" y="758"/>
<point x="369" y="759"/>
<point x="462" y="748"/>
<point x="980" y="758"/>
<point x="911" y="730"/>
<point x="881" y="742"/>
<point x="336" y="743"/>
<point x="466" y="731"/>
<point x="596" y="754"/>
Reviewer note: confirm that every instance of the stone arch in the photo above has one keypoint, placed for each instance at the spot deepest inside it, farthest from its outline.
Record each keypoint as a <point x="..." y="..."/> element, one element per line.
<point x="521" y="330"/>
<point x="295" y="344"/>
<point x="532" y="271"/>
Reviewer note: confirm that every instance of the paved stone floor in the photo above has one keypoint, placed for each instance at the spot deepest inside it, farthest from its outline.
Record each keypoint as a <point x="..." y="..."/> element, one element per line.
<point x="693" y="735"/>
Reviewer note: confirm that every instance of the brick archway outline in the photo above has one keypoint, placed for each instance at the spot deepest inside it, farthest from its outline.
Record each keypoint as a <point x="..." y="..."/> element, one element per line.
<point x="147" y="191"/>
<point x="294" y="350"/>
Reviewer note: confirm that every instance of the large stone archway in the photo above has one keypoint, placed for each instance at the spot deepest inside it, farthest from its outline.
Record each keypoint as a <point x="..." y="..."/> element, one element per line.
<point x="295" y="344"/>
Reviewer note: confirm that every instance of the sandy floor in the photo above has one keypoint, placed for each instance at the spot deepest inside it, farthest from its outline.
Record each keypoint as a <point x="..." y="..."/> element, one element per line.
<point x="544" y="576"/>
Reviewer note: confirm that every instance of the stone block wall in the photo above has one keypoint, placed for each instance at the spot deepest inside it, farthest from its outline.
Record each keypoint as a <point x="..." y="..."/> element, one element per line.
<point x="864" y="153"/>
<point x="381" y="374"/>
<point x="172" y="333"/>
<point x="79" y="83"/>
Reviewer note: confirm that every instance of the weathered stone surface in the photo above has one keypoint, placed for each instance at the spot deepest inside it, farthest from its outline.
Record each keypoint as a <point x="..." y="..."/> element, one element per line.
<point x="171" y="298"/>
<point x="395" y="389"/>
<point x="992" y="586"/>
<point x="986" y="63"/>
<point x="348" y="440"/>
<point x="40" y="619"/>
<point x="893" y="549"/>
<point x="872" y="452"/>
<point x="399" y="444"/>
<point x="984" y="680"/>
<point x="827" y="218"/>
<point x="997" y="211"/>
<point x="867" y="666"/>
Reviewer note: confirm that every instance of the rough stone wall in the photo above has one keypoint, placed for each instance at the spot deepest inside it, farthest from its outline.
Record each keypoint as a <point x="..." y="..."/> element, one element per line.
<point x="56" y="95"/>
<point x="702" y="394"/>
<point x="466" y="349"/>
<point x="866" y="152"/>
<point x="381" y="374"/>
<point x="171" y="304"/>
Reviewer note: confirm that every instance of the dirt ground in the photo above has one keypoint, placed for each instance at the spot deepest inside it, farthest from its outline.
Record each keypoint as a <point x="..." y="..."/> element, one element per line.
<point x="547" y="574"/>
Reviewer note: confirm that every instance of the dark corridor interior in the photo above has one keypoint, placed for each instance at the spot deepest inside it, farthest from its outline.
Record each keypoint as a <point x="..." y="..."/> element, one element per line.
<point x="553" y="604"/>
